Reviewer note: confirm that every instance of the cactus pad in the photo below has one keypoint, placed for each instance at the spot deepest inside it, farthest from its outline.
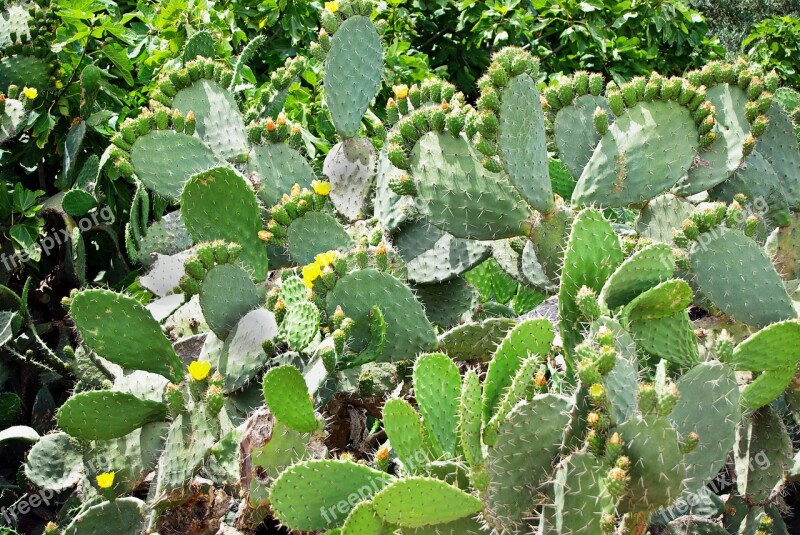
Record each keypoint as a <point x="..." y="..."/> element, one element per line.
<point x="219" y="204"/>
<point x="737" y="276"/>
<point x="308" y="495"/>
<point x="437" y="388"/>
<point x="103" y="415"/>
<point x="227" y="295"/>
<point x="121" y="330"/>
<point x="287" y="398"/>
<point x="124" y="516"/>
<point x="420" y="501"/>
<point x="575" y="134"/>
<point x="353" y="73"/>
<point x="316" y="233"/>
<point x="279" y="167"/>
<point x="350" y="166"/>
<point x="646" y="268"/>
<point x="762" y="453"/>
<point x="408" y="331"/>
<point x="580" y="495"/>
<point x="242" y="355"/>
<point x="404" y="429"/>
<point x="53" y="463"/>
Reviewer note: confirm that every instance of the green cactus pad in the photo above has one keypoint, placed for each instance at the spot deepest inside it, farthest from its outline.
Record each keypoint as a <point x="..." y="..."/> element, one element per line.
<point x="446" y="304"/>
<point x="301" y="325"/>
<point x="420" y="501"/>
<point x="121" y="330"/>
<point x="200" y="44"/>
<point x="715" y="165"/>
<point x="592" y="254"/>
<point x="762" y="453"/>
<point x="432" y="255"/>
<point x="475" y="341"/>
<point x="353" y="73"/>
<point x="661" y="216"/>
<point x="124" y="516"/>
<point x="308" y="495"/>
<point x="464" y="526"/>
<point x="781" y="149"/>
<point x="646" y="268"/>
<point x="103" y="415"/>
<point x="766" y="388"/>
<point x="363" y="520"/>
<point x="189" y="441"/>
<point x="437" y="388"/>
<point x="165" y="159"/>
<point x="287" y="397"/>
<point x="461" y="197"/>
<point x="350" y="167"/>
<point x="219" y="123"/>
<point x="167" y="237"/>
<point x="737" y="276"/>
<point x="293" y="291"/>
<point x="771" y="348"/>
<point x="521" y="142"/>
<point x="520" y="462"/>
<point x="757" y="180"/>
<point x="406" y="434"/>
<point x="227" y="295"/>
<point x="707" y="384"/>
<point x="53" y="463"/>
<point x="24" y="71"/>
<point x="575" y="134"/>
<point x="471" y="420"/>
<point x="644" y="154"/>
<point x="316" y="233"/>
<point x="391" y="209"/>
<point x="660" y="324"/>
<point x="530" y="337"/>
<point x="209" y="200"/>
<point x="279" y="167"/>
<point x="580" y="495"/>
<point x="242" y="355"/>
<point x="408" y="331"/>
<point x="12" y="119"/>
<point x="656" y="473"/>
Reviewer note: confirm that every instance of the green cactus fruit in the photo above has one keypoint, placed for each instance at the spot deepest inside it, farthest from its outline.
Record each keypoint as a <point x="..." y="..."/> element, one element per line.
<point x="648" y="398"/>
<point x="437" y="387"/>
<point x="307" y="496"/>
<point x="286" y="395"/>
<point x="420" y="501"/>
<point x="103" y="415"/>
<point x="587" y="302"/>
<point x="667" y="400"/>
<point x="121" y="330"/>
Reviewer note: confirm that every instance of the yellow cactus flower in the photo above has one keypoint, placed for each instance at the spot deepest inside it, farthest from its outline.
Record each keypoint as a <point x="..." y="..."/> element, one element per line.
<point x="325" y="259"/>
<point x="105" y="480"/>
<point x="199" y="369"/>
<point x="311" y="273"/>
<point x="400" y="92"/>
<point x="59" y="84"/>
<point x="333" y="7"/>
<point x="264" y="235"/>
<point x="30" y="93"/>
<point x="321" y="187"/>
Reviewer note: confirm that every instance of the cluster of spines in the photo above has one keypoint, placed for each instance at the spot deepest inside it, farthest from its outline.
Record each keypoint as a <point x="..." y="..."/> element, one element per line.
<point x="433" y="106"/>
<point x="206" y="256"/>
<point x="759" y="87"/>
<point x="171" y="82"/>
<point x="158" y="118"/>
<point x="483" y="126"/>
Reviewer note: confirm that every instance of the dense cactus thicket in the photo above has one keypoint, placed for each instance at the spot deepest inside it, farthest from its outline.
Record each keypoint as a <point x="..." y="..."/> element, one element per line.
<point x="313" y="354"/>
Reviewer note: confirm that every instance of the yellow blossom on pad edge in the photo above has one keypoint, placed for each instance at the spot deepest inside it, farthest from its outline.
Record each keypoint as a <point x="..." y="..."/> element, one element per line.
<point x="333" y="7"/>
<point x="30" y="93"/>
<point x="321" y="188"/>
<point x="311" y="273"/>
<point x="325" y="259"/>
<point x="400" y="92"/>
<point x="105" y="480"/>
<point x="199" y="369"/>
